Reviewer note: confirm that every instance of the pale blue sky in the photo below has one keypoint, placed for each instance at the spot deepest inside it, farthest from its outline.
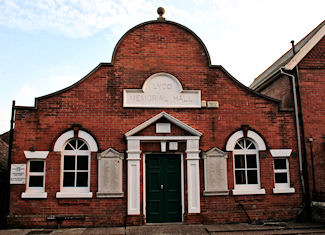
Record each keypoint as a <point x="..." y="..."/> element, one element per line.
<point x="46" y="45"/>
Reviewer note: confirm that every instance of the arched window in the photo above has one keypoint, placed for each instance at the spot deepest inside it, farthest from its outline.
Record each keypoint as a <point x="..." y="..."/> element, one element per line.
<point x="75" y="164"/>
<point x="246" y="162"/>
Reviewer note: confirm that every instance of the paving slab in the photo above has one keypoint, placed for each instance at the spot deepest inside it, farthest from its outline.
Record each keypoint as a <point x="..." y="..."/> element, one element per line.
<point x="106" y="230"/>
<point x="240" y="227"/>
<point x="72" y="231"/>
<point x="167" y="229"/>
<point x="14" y="231"/>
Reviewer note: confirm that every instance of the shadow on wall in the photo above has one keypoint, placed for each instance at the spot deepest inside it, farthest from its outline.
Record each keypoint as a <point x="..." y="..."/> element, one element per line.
<point x="4" y="147"/>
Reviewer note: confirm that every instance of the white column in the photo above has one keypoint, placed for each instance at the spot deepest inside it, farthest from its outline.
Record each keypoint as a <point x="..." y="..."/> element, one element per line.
<point x="133" y="177"/>
<point x="193" y="175"/>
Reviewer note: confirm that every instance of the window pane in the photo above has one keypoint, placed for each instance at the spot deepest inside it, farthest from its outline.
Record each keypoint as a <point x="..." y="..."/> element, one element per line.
<point x="280" y="164"/>
<point x="82" y="162"/>
<point x="69" y="163"/>
<point x="240" y="177"/>
<point x="68" y="179"/>
<point x="250" y="145"/>
<point x="83" y="146"/>
<point x="281" y="178"/>
<point x="68" y="147"/>
<point x="36" y="166"/>
<point x="36" y="181"/>
<point x="251" y="161"/>
<point x="239" y="161"/>
<point x="240" y="144"/>
<point x="82" y="179"/>
<point x="252" y="176"/>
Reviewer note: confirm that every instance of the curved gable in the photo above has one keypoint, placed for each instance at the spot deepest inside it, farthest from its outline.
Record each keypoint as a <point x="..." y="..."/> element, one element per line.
<point x="163" y="39"/>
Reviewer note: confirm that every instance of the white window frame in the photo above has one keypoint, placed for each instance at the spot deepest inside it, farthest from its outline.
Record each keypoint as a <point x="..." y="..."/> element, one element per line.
<point x="35" y="192"/>
<point x="247" y="189"/>
<point x="282" y="187"/>
<point x="74" y="191"/>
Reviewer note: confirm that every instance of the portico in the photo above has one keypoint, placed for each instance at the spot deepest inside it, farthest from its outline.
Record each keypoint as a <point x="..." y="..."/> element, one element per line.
<point x="134" y="154"/>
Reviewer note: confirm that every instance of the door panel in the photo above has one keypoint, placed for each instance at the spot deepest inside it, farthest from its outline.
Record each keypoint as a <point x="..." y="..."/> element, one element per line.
<point x="163" y="180"/>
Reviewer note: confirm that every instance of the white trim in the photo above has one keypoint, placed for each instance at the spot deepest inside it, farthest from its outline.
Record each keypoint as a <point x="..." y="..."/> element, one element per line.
<point x="89" y="139"/>
<point x="74" y="195"/>
<point x="280" y="152"/>
<point x="35" y="191"/>
<point x="248" y="192"/>
<point x="305" y="49"/>
<point x="36" y="154"/>
<point x="169" y="118"/>
<point x="161" y="138"/>
<point x="193" y="176"/>
<point x="230" y="146"/>
<point x="283" y="190"/>
<point x="60" y="142"/>
<point x="258" y="139"/>
<point x="34" y="195"/>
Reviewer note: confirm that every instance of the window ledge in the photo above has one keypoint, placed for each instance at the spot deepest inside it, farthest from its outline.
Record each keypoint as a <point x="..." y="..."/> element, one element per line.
<point x="248" y="192"/>
<point x="74" y="195"/>
<point x="283" y="190"/>
<point x="33" y="195"/>
<point x="215" y="193"/>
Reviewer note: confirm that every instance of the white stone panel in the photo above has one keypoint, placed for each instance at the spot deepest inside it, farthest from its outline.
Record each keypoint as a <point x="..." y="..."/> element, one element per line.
<point x="110" y="174"/>
<point x="163" y="128"/>
<point x="162" y="90"/>
<point x="215" y="173"/>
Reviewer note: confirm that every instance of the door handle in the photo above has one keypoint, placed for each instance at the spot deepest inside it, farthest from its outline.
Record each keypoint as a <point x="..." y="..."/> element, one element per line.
<point x="162" y="186"/>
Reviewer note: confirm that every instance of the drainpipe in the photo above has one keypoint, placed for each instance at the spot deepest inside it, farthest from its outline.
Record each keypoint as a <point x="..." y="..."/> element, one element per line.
<point x="11" y="135"/>
<point x="305" y="165"/>
<point x="302" y="167"/>
<point x="314" y="195"/>
<point x="297" y="128"/>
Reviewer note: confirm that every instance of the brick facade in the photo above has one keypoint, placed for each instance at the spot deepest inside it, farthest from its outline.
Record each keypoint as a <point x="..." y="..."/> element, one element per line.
<point x="95" y="104"/>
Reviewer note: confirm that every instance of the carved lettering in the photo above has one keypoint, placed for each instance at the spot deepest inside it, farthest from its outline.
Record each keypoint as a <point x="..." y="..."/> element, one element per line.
<point x="162" y="90"/>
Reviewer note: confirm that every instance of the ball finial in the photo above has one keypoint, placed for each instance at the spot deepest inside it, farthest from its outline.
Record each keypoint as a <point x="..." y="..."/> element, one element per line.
<point x="160" y="12"/>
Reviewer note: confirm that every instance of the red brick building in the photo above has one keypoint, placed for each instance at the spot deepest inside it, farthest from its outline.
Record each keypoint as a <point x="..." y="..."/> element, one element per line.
<point x="305" y="65"/>
<point x="157" y="135"/>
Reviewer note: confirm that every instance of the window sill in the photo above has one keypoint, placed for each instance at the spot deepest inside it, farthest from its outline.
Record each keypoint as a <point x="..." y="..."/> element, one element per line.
<point x="248" y="192"/>
<point x="74" y="195"/>
<point x="283" y="190"/>
<point x="215" y="193"/>
<point x="34" y="195"/>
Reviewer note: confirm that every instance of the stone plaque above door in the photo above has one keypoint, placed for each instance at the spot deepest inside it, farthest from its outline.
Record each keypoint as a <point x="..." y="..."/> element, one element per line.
<point x="162" y="90"/>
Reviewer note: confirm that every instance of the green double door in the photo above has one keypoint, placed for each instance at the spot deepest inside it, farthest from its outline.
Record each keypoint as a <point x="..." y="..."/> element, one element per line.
<point x="163" y="188"/>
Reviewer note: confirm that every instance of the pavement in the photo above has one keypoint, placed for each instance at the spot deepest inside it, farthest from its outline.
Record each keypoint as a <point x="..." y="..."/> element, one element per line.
<point x="156" y="229"/>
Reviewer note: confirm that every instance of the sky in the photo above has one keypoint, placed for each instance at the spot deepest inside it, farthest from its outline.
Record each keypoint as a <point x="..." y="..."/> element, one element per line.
<point x="47" y="45"/>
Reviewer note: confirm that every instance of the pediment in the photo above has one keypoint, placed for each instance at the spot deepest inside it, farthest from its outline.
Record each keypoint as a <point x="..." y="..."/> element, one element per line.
<point x="215" y="152"/>
<point x="110" y="153"/>
<point x="167" y="117"/>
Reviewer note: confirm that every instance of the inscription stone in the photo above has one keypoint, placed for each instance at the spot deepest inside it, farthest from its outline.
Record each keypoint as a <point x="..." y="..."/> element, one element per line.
<point x="215" y="178"/>
<point x="18" y="174"/>
<point x="110" y="174"/>
<point x="162" y="90"/>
